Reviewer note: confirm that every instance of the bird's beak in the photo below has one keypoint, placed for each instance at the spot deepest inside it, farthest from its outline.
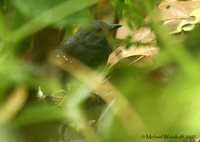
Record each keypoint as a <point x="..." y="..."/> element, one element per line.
<point x="113" y="26"/>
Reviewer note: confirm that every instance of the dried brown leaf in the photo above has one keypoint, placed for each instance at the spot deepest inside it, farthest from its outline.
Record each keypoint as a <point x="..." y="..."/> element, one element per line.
<point x="143" y="35"/>
<point x="122" y="53"/>
<point x="173" y="12"/>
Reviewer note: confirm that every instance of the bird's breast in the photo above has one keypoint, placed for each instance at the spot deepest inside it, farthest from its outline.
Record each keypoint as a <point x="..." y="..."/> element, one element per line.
<point x="90" y="48"/>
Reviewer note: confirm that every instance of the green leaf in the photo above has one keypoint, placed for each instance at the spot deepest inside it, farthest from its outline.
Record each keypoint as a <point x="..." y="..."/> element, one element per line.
<point x="37" y="114"/>
<point x="1" y="26"/>
<point x="51" y="16"/>
<point x="33" y="8"/>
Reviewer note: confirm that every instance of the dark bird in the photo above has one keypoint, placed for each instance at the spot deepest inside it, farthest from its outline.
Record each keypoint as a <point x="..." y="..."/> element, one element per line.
<point x="90" y="45"/>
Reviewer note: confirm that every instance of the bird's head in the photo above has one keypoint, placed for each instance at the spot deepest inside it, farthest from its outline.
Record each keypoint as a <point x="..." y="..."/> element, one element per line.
<point x="100" y="26"/>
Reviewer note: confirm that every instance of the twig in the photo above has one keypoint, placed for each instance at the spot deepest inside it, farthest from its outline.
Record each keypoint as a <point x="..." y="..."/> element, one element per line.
<point x="117" y="16"/>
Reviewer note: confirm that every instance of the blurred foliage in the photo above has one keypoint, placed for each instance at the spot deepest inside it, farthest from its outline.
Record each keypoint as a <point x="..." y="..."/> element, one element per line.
<point x="38" y="7"/>
<point x="160" y="98"/>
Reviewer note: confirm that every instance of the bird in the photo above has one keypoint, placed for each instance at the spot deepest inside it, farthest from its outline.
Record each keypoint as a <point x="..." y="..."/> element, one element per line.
<point x="90" y="45"/>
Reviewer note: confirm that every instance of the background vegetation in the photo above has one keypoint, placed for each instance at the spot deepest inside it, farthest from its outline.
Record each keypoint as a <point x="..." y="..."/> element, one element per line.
<point x="37" y="104"/>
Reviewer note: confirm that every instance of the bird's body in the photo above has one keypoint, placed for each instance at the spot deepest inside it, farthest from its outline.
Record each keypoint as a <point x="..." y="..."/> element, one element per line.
<point x="90" y="45"/>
